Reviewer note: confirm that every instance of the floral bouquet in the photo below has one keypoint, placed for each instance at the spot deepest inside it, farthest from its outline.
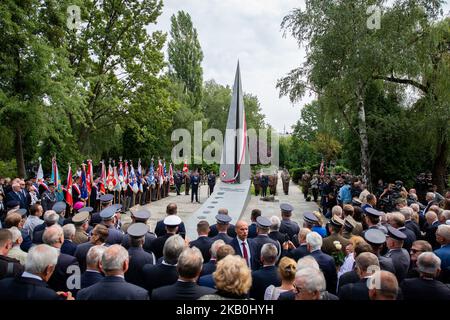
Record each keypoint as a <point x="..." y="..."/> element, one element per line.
<point x="338" y="255"/>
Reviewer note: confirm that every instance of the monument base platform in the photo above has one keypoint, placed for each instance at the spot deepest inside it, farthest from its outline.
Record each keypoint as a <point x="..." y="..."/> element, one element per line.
<point x="233" y="197"/>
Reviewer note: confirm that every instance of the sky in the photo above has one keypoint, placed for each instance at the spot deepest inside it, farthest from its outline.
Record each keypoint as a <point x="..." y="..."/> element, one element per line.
<point x="248" y="31"/>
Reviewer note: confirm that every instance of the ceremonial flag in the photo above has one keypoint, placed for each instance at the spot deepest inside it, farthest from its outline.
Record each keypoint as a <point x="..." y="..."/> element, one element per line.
<point x="151" y="175"/>
<point x="110" y="180"/>
<point x="84" y="192"/>
<point x="40" y="173"/>
<point x="57" y="180"/>
<point x="185" y="166"/>
<point x="103" y="178"/>
<point x="165" y="171"/>
<point x="117" y="185"/>
<point x="89" y="177"/>
<point x="126" y="179"/>
<point x="69" y="198"/>
<point x="160" y="172"/>
<point x="321" y="170"/>
<point x="171" y="181"/>
<point x="139" y="177"/>
<point x="120" y="174"/>
<point x="132" y="180"/>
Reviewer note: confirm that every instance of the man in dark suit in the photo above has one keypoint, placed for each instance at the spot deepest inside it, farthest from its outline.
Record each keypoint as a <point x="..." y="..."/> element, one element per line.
<point x="301" y="250"/>
<point x="426" y="287"/>
<point x="9" y="267"/>
<point x="16" y="194"/>
<point x="32" y="284"/>
<point x="410" y="224"/>
<point x="210" y="266"/>
<point x="69" y="246"/>
<point x="267" y="275"/>
<point x="172" y="223"/>
<point x="115" y="262"/>
<point x="98" y="237"/>
<point x="326" y="262"/>
<point x="397" y="220"/>
<point x="54" y="237"/>
<point x="93" y="273"/>
<point x="275" y="233"/>
<point x="400" y="257"/>
<point x="366" y="263"/>
<point x="243" y="246"/>
<point x="263" y="227"/>
<point x="203" y="242"/>
<point x="223" y="223"/>
<point x="383" y="286"/>
<point x="141" y="216"/>
<point x="186" y="288"/>
<point x="165" y="273"/>
<point x="207" y="280"/>
<point x="289" y="227"/>
<point x="160" y="228"/>
<point x="50" y="218"/>
<point x="252" y="227"/>
<point x="230" y="231"/>
<point x="430" y="228"/>
<point x="138" y="257"/>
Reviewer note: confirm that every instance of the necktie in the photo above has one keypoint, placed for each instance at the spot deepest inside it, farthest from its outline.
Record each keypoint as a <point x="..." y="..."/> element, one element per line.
<point x="244" y="252"/>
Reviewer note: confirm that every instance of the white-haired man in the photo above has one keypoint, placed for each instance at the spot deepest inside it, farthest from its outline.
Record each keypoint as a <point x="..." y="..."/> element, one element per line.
<point x="93" y="273"/>
<point x="16" y="252"/>
<point x="114" y="264"/>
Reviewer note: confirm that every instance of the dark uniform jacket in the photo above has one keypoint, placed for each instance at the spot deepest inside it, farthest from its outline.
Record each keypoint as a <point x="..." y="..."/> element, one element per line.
<point x="26" y="289"/>
<point x="424" y="289"/>
<point x="328" y="246"/>
<point x="259" y="241"/>
<point x="263" y="278"/>
<point x="113" y="288"/>
<point x="290" y="228"/>
<point x="231" y="231"/>
<point x="59" y="277"/>
<point x="354" y="291"/>
<point x="203" y="243"/>
<point x="401" y="261"/>
<point x="149" y="237"/>
<point x="159" y="275"/>
<point x="410" y="238"/>
<point x="278" y="236"/>
<point x="328" y="267"/>
<point x="157" y="245"/>
<point x="222" y="236"/>
<point x="181" y="291"/>
<point x="114" y="236"/>
<point x="138" y="259"/>
<point x="160" y="229"/>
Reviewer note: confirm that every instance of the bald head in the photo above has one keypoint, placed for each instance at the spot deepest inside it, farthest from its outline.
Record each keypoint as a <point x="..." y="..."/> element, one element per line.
<point x="242" y="230"/>
<point x="53" y="236"/>
<point x="431" y="217"/>
<point x="383" y="286"/>
<point x="223" y="211"/>
<point x="171" y="208"/>
<point x="302" y="235"/>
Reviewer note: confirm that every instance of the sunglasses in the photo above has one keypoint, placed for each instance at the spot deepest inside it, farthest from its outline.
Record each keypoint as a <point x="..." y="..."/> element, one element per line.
<point x="415" y="251"/>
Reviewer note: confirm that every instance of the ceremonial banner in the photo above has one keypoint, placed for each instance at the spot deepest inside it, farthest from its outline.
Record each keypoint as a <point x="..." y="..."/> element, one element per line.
<point x="69" y="198"/>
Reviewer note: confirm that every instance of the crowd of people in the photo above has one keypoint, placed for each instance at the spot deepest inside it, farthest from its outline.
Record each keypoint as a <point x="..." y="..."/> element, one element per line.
<point x="353" y="251"/>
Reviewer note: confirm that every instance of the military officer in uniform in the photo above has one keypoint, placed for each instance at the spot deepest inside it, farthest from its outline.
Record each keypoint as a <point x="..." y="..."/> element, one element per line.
<point x="171" y="223"/>
<point x="178" y="179"/>
<point x="289" y="227"/>
<point x="138" y="257"/>
<point x="372" y="219"/>
<point x="262" y="229"/>
<point x="349" y="226"/>
<point x="376" y="239"/>
<point x="195" y="182"/>
<point x="49" y="197"/>
<point x="108" y="216"/>
<point x="60" y="208"/>
<point x="223" y="221"/>
<point x="81" y="222"/>
<point x="211" y="182"/>
<point x="400" y="257"/>
<point x="231" y="229"/>
<point x="141" y="216"/>
<point x="335" y="229"/>
<point x="285" y="177"/>
<point x="106" y="201"/>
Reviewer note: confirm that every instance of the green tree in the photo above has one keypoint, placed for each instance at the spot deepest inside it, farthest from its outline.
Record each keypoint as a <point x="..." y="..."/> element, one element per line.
<point x="186" y="56"/>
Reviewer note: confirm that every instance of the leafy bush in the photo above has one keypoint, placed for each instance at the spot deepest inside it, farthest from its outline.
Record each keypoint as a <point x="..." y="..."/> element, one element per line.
<point x="8" y="168"/>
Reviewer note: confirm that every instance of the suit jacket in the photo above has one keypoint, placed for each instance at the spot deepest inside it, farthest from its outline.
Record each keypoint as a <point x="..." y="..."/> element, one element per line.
<point x="207" y="281"/>
<point x="222" y="236"/>
<point x="181" y="291"/>
<point x="401" y="261"/>
<point x="21" y="288"/>
<point x="354" y="291"/>
<point x="68" y="247"/>
<point x="410" y="238"/>
<point x="252" y="230"/>
<point x="38" y="232"/>
<point x="17" y="197"/>
<point x="414" y="227"/>
<point x="298" y="252"/>
<point x="251" y="250"/>
<point x="80" y="254"/>
<point x="160" y="228"/>
<point x="149" y="237"/>
<point x="159" y="275"/>
<point x="59" y="277"/>
<point x="208" y="267"/>
<point x="88" y="278"/>
<point x="347" y="278"/>
<point x="263" y="278"/>
<point x="231" y="231"/>
<point x="290" y="228"/>
<point x="328" y="246"/>
<point x="26" y="243"/>
<point x="259" y="241"/>
<point x="113" y="288"/>
<point x="157" y="245"/>
<point x="10" y="267"/>
<point x="430" y="235"/>
<point x="328" y="267"/>
<point x="278" y="236"/>
<point x="114" y="236"/>
<point x="289" y="295"/>
<point x="203" y="244"/>
<point x="138" y="259"/>
<point x="444" y="254"/>
<point x="422" y="289"/>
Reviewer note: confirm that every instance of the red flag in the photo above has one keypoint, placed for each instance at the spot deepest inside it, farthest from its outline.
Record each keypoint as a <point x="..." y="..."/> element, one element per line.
<point x="89" y="177"/>
<point x="103" y="178"/>
<point x="171" y="181"/>
<point x="321" y="170"/>
<point x="69" y="198"/>
<point x="185" y="167"/>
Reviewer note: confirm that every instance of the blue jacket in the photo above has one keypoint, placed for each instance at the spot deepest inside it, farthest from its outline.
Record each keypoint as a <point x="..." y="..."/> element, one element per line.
<point x="345" y="194"/>
<point x="328" y="267"/>
<point x="113" y="288"/>
<point x="444" y="254"/>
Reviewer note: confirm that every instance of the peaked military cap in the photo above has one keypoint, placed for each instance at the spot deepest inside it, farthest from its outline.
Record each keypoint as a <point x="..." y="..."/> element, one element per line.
<point x="137" y="230"/>
<point x="59" y="207"/>
<point x="374" y="236"/>
<point x="223" y="219"/>
<point x="263" y="222"/>
<point x="80" y="218"/>
<point x="172" y="220"/>
<point x="396" y="234"/>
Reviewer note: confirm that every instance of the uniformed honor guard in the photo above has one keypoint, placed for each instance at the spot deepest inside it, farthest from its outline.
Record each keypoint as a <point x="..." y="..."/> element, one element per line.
<point x="140" y="216"/>
<point x="108" y="216"/>
<point x="49" y="197"/>
<point x="105" y="201"/>
<point x="285" y="178"/>
<point x="376" y="239"/>
<point x="171" y="223"/>
<point x="81" y="222"/>
<point x="138" y="257"/>
<point x="195" y="182"/>
<point x="223" y="222"/>
<point x="262" y="228"/>
<point x="211" y="182"/>
<point x="289" y="227"/>
<point x="335" y="230"/>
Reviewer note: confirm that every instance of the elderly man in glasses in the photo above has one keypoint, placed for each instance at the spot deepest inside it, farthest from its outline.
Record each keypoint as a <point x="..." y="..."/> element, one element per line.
<point x="417" y="248"/>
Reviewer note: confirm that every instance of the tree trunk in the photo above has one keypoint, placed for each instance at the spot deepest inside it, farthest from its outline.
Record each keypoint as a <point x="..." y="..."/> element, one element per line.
<point x="364" y="141"/>
<point x="19" y="153"/>
<point x="440" y="162"/>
